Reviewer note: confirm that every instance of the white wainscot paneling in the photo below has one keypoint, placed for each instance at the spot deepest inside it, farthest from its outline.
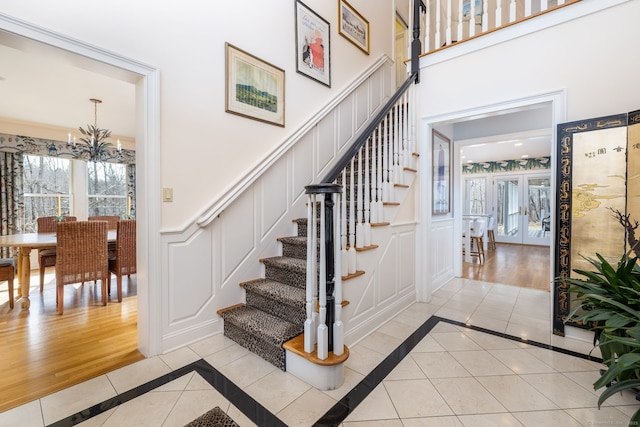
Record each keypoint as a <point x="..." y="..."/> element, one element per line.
<point x="237" y="233"/>
<point x="274" y="196"/>
<point x="407" y="260"/>
<point x="441" y="251"/>
<point x="361" y="294"/>
<point x="345" y="121"/>
<point x="388" y="272"/>
<point x="363" y="106"/>
<point x="190" y="278"/>
<point x="325" y="134"/>
<point x="303" y="171"/>
<point x="376" y="88"/>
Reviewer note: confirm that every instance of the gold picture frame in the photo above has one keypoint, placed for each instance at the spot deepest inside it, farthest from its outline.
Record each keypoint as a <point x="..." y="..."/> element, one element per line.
<point x="353" y="26"/>
<point x="253" y="87"/>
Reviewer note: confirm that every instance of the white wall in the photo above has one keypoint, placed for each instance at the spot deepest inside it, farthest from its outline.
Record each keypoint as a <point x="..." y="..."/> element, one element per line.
<point x="199" y="142"/>
<point x="585" y="63"/>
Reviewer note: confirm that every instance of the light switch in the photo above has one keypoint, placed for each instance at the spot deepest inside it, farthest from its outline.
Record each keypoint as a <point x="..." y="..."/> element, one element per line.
<point x="167" y="194"/>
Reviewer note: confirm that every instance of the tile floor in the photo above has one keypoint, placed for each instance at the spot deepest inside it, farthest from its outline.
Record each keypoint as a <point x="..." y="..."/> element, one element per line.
<point x="466" y="371"/>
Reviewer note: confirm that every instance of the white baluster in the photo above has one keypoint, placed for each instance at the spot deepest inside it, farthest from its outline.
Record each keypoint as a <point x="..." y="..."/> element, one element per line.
<point x="367" y="199"/>
<point x="359" y="205"/>
<point x="544" y="5"/>
<point x="426" y="27"/>
<point x="352" y="222"/>
<point x="472" y="18"/>
<point x="438" y="25"/>
<point x="338" y="327"/>
<point x="310" y="324"/>
<point x="406" y="152"/>
<point x="385" y="161"/>
<point x="323" y="330"/>
<point x="373" y="213"/>
<point x="343" y="227"/>
<point x="379" y="205"/>
<point x="485" y="16"/>
<point x="527" y="8"/>
<point x="512" y="11"/>
<point x="389" y="158"/>
<point x="560" y="2"/>
<point x="397" y="168"/>
<point x="448" y="35"/>
<point x="498" y="14"/>
<point x="460" y="19"/>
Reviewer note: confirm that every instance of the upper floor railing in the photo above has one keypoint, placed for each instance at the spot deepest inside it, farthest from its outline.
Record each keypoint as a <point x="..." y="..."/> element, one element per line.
<point x="447" y="22"/>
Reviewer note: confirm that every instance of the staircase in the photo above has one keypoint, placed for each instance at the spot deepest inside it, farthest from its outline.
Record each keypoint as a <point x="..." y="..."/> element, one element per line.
<point x="274" y="311"/>
<point x="277" y="320"/>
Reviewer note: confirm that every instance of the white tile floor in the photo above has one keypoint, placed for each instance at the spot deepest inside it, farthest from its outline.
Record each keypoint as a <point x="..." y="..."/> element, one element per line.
<point x="455" y="376"/>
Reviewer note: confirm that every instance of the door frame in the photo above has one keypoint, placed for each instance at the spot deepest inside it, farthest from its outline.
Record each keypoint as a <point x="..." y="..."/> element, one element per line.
<point x="148" y="203"/>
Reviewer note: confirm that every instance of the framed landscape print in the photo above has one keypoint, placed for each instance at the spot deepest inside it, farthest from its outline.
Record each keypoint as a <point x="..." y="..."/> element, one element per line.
<point x="441" y="173"/>
<point x="313" y="58"/>
<point x="254" y="88"/>
<point x="353" y="26"/>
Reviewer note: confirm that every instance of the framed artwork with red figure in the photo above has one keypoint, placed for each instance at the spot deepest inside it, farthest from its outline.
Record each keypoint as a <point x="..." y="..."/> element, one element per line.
<point x="313" y="58"/>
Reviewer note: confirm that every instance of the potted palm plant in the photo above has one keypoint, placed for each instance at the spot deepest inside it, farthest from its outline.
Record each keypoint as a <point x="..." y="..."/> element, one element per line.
<point x="609" y="303"/>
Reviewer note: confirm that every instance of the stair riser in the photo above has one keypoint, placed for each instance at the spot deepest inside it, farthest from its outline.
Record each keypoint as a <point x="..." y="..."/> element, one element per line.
<point x="296" y="315"/>
<point x="283" y="275"/>
<point x="294" y="251"/>
<point x="273" y="354"/>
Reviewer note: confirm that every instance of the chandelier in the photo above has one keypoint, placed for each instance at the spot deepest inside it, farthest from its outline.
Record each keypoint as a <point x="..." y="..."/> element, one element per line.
<point x="95" y="140"/>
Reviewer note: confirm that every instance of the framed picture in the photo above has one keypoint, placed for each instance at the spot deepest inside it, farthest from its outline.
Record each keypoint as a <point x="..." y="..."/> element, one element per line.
<point x="313" y="57"/>
<point x="353" y="26"/>
<point x="441" y="160"/>
<point x="254" y="88"/>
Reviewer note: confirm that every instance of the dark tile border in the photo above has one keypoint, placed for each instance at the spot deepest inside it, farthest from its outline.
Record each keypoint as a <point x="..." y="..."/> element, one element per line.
<point x="261" y="416"/>
<point x="345" y="406"/>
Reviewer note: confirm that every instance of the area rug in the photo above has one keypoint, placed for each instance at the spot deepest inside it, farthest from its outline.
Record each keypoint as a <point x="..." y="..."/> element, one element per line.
<point x="214" y="418"/>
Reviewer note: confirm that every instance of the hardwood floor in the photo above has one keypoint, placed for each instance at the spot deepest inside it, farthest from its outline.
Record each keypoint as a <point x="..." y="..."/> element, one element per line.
<point x="43" y="352"/>
<point x="520" y="265"/>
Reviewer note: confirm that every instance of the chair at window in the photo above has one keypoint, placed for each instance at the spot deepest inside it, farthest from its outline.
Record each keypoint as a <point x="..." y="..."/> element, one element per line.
<point x="546" y="225"/>
<point x="476" y="234"/>
<point x="490" y="232"/>
<point x="47" y="256"/>
<point x="112" y="220"/>
<point x="123" y="261"/>
<point x="81" y="256"/>
<point x="8" y="272"/>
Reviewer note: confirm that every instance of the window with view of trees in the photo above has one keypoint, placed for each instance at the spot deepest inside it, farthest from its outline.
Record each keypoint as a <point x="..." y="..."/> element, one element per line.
<point x="107" y="188"/>
<point x="46" y="188"/>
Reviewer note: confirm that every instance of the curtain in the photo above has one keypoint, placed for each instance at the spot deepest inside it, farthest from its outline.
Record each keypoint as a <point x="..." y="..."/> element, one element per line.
<point x="11" y="198"/>
<point x="131" y="189"/>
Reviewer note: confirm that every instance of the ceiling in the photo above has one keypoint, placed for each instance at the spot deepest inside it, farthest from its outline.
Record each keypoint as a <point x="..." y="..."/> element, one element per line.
<point x="53" y="87"/>
<point x="507" y="148"/>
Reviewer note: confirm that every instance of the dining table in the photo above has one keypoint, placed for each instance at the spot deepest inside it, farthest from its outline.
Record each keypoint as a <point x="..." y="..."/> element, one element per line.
<point x="25" y="242"/>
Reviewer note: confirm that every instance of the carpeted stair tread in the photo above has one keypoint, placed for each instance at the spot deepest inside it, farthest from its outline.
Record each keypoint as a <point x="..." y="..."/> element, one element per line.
<point x="293" y="264"/>
<point x="277" y="291"/>
<point x="263" y="325"/>
<point x="294" y="240"/>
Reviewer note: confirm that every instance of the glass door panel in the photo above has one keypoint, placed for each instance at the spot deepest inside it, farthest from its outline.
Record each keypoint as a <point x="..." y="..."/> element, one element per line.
<point x="523" y="209"/>
<point x="508" y="209"/>
<point x="538" y="210"/>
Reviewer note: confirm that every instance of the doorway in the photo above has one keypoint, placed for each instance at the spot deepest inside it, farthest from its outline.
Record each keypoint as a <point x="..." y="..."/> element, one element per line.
<point x="523" y="208"/>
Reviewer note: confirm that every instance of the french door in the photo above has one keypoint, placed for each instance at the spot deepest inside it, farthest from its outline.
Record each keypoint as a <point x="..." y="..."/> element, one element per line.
<point x="523" y="208"/>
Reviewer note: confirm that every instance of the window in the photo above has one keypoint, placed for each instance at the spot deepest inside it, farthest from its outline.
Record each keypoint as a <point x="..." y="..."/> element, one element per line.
<point x="475" y="196"/>
<point x="107" y="188"/>
<point x="46" y="188"/>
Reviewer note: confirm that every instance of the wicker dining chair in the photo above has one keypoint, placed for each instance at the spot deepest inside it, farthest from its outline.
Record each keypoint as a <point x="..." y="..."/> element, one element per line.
<point x="47" y="256"/>
<point x="81" y="256"/>
<point x="112" y="220"/>
<point x="8" y="272"/>
<point x="123" y="261"/>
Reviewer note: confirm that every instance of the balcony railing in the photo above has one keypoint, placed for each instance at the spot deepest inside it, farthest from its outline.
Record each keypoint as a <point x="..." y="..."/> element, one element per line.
<point x="447" y="22"/>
